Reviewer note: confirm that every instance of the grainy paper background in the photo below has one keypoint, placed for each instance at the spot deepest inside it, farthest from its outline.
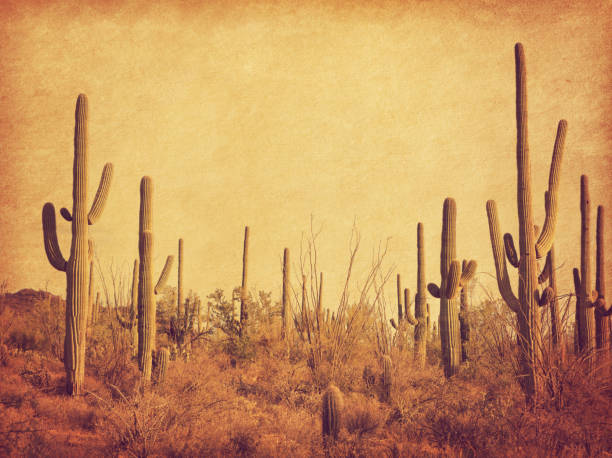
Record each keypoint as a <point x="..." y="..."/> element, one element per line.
<point x="263" y="113"/>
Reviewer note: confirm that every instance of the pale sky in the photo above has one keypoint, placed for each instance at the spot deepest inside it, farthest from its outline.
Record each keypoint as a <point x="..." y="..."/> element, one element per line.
<point x="263" y="113"/>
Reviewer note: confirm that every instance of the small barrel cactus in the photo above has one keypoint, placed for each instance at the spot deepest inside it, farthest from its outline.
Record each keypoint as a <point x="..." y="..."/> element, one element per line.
<point x="331" y="413"/>
<point x="161" y="365"/>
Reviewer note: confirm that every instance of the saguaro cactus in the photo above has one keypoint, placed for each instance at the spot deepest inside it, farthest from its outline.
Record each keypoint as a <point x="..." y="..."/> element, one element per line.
<point x="585" y="312"/>
<point x="131" y="322"/>
<point x="602" y="309"/>
<point x="464" y="321"/>
<point x="161" y="366"/>
<point x="77" y="265"/>
<point x="285" y="310"/>
<point x="452" y="280"/>
<point x="592" y="312"/>
<point x="420" y="304"/>
<point x="387" y="377"/>
<point x="331" y="413"/>
<point x="526" y="304"/>
<point x="147" y="326"/>
<point x="179" y="293"/>
<point x="244" y="311"/>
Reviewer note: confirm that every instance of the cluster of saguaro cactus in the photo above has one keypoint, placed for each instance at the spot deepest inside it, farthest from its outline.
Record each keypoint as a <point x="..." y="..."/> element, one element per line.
<point x="404" y="315"/>
<point x="527" y="303"/>
<point x="77" y="265"/>
<point x="453" y="278"/>
<point x="147" y="326"/>
<point x="592" y="312"/>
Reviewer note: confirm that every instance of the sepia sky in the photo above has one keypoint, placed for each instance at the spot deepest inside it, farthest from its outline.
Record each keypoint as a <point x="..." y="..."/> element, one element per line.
<point x="263" y="113"/>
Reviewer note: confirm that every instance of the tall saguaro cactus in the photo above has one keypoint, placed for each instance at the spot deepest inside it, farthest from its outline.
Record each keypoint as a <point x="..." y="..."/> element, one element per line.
<point x="420" y="304"/>
<point x="179" y="293"/>
<point x="464" y="319"/>
<point x="147" y="326"/>
<point x="452" y="280"/>
<point x="526" y="304"/>
<point x="285" y="310"/>
<point x="244" y="311"/>
<point x="592" y="312"/>
<point x="585" y="312"/>
<point x="77" y="265"/>
<point x="603" y="310"/>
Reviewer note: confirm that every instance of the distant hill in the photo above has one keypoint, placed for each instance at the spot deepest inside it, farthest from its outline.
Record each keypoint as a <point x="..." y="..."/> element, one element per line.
<point x="25" y="299"/>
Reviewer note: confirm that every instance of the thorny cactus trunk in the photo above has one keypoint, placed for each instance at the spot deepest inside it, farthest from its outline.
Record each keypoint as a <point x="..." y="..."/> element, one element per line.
<point x="179" y="294"/>
<point x="420" y="304"/>
<point x="285" y="310"/>
<point x="585" y="312"/>
<point x="387" y="377"/>
<point x="555" y="322"/>
<point x="602" y="309"/>
<point x="161" y="366"/>
<point x="452" y="280"/>
<point x="464" y="321"/>
<point x="147" y="326"/>
<point x="81" y="250"/>
<point x="526" y="304"/>
<point x="244" y="311"/>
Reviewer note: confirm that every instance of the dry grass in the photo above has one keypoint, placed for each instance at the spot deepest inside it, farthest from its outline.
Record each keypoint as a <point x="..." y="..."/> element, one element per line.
<point x="219" y="404"/>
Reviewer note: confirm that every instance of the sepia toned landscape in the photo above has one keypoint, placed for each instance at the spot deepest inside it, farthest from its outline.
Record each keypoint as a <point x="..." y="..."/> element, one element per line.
<point x="305" y="229"/>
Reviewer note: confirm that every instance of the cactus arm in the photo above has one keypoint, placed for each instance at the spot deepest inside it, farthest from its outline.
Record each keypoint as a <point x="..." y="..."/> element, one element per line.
<point x="501" y="270"/>
<point x="101" y="194"/>
<point x="66" y="214"/>
<point x="576" y="274"/>
<point x="163" y="277"/>
<point x="408" y="314"/>
<point x="52" y="248"/>
<point x="91" y="248"/>
<point x="452" y="280"/>
<point x="510" y="250"/>
<point x="393" y="323"/>
<point x="468" y="270"/>
<point x="434" y="290"/>
<point x="545" y="240"/>
<point x="545" y="274"/>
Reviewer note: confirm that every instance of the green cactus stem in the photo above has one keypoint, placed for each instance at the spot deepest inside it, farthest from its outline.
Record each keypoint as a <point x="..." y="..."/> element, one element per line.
<point x="453" y="278"/>
<point x="585" y="311"/>
<point x="130" y="322"/>
<point x="179" y="294"/>
<point x="147" y="326"/>
<point x="286" y="306"/>
<point x="331" y="413"/>
<point x="525" y="305"/>
<point x="421" y="312"/>
<point x="464" y="322"/>
<point x="244" y="311"/>
<point x="161" y="365"/>
<point x="77" y="265"/>
<point x="400" y="307"/>
<point x="602" y="309"/>
<point x="387" y="377"/>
